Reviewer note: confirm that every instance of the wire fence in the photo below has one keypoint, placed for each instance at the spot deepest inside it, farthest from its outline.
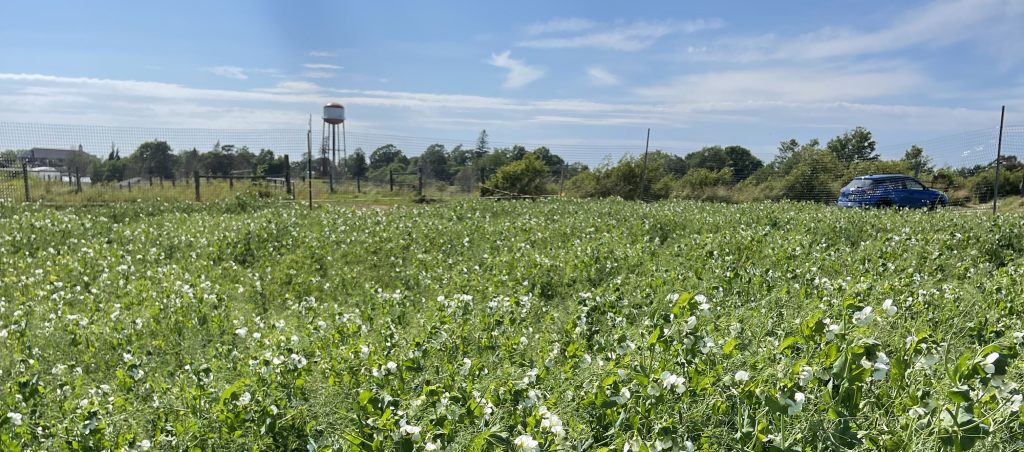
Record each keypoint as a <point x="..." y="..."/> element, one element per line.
<point x="67" y="164"/>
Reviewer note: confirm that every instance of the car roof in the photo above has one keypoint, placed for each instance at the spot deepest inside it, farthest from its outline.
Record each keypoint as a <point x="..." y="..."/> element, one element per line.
<point x="883" y="176"/>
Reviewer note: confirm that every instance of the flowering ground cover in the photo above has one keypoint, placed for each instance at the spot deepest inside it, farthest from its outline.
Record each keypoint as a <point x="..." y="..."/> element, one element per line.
<point x="548" y="325"/>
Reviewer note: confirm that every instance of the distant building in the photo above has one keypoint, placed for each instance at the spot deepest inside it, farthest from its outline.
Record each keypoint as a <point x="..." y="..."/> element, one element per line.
<point x="47" y="157"/>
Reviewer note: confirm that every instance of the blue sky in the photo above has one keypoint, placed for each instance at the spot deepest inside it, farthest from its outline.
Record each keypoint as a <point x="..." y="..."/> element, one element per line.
<point x="588" y="77"/>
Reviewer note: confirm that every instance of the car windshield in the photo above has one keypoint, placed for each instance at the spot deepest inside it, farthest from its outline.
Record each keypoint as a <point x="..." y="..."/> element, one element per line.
<point x="858" y="183"/>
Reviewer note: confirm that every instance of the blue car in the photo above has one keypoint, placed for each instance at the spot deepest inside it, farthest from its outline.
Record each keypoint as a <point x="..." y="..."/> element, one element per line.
<point x="890" y="190"/>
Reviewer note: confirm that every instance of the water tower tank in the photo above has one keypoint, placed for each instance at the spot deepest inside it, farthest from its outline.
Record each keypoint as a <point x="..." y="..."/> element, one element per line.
<point x="334" y="113"/>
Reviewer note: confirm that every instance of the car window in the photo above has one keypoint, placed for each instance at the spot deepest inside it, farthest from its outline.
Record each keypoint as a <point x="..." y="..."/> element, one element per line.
<point x="887" y="184"/>
<point x="914" y="185"/>
<point x="858" y="183"/>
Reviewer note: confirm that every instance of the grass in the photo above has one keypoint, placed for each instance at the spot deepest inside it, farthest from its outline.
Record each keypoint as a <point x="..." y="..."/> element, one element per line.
<point x="345" y="194"/>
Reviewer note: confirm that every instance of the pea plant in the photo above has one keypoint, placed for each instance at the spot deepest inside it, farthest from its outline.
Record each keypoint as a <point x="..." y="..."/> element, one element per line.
<point x="542" y="325"/>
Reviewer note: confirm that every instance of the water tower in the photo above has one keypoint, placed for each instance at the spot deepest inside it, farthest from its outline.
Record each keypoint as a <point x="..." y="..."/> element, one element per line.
<point x="334" y="114"/>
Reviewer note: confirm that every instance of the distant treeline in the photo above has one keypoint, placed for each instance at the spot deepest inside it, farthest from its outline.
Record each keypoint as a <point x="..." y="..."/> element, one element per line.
<point x="799" y="171"/>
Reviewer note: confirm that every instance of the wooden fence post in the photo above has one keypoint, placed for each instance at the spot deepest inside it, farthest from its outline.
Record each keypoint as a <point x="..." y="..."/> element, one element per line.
<point x="24" y="179"/>
<point x="196" y="176"/>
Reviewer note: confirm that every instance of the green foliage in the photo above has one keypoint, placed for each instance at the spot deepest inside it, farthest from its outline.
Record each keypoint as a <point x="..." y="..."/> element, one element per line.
<point x="387" y="155"/>
<point x="154" y="158"/>
<point x="853" y="146"/>
<point x="356" y="164"/>
<point x="917" y="161"/>
<point x="716" y="158"/>
<point x="571" y="325"/>
<point x="434" y="163"/>
<point x="527" y="176"/>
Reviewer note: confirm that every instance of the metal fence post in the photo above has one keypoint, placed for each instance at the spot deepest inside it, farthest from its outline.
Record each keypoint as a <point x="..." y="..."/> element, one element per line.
<point x="391" y="179"/>
<point x="78" y="180"/>
<point x="231" y="182"/>
<point x="419" y="189"/>
<point x="24" y="179"/>
<point x="288" y="177"/>
<point x="196" y="180"/>
<point x="999" y="157"/>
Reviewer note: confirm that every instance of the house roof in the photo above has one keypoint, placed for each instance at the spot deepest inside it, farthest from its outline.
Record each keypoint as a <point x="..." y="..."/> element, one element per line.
<point x="46" y="153"/>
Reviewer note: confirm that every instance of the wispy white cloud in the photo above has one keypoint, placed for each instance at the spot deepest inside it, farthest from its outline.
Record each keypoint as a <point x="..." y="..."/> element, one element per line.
<point x="626" y="37"/>
<point x="81" y="100"/>
<point x="601" y="77"/>
<point x="234" y="72"/>
<point x="519" y="73"/>
<point x="319" y="74"/>
<point x="567" y="25"/>
<point x="801" y="84"/>
<point x="290" y="87"/>
<point x="321" y="54"/>
<point x="321" y="66"/>
<point x="991" y="23"/>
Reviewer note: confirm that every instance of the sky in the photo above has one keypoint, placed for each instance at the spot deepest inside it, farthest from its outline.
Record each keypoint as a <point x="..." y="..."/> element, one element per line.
<point x="583" y="77"/>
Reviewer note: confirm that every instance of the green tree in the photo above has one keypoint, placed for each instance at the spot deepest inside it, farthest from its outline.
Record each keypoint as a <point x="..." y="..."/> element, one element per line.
<point x="386" y="155"/>
<point x="853" y="146"/>
<point x="434" y="163"/>
<point x="526" y="176"/>
<point x="154" y="158"/>
<point x="917" y="160"/>
<point x="482" y="144"/>
<point x="357" y="165"/>
<point x="460" y="156"/>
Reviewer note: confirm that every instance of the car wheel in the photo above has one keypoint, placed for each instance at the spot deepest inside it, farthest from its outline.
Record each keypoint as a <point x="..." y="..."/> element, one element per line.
<point x="883" y="204"/>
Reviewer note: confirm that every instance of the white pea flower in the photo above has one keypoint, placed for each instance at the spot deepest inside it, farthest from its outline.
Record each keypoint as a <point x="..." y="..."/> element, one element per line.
<point x="881" y="367"/>
<point x="245" y="398"/>
<point x="526" y="443"/>
<point x="690" y="323"/>
<point x="673" y="382"/>
<point x="917" y="412"/>
<point x="623" y="397"/>
<point x="1015" y="402"/>
<point x="704" y="305"/>
<point x="241" y="332"/>
<point x="663" y="444"/>
<point x="864" y="316"/>
<point x="145" y="444"/>
<point x="831" y="331"/>
<point x="806" y="373"/>
<point x="411" y="431"/>
<point x="742" y="376"/>
<point x="15" y="418"/>
<point x="795" y="405"/>
<point x="989" y="363"/>
<point x="889" y="307"/>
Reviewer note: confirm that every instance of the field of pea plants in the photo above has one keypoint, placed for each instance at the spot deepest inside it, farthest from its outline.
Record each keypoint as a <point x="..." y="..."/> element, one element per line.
<point x="473" y="325"/>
